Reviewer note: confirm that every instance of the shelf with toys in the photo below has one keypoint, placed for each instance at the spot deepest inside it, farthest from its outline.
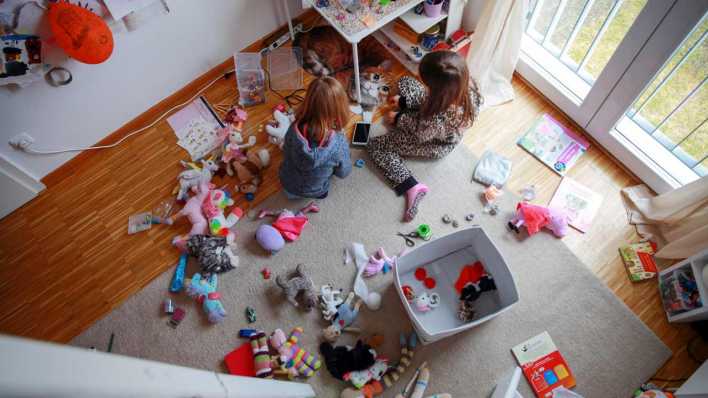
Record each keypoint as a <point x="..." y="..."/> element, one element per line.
<point x="684" y="289"/>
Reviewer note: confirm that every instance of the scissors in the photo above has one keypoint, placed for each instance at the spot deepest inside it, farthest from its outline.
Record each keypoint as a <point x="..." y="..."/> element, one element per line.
<point x="407" y="237"/>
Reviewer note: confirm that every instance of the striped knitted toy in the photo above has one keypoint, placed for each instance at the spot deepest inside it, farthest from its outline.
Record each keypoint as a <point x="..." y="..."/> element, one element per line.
<point x="261" y="358"/>
<point x="293" y="358"/>
<point x="375" y="387"/>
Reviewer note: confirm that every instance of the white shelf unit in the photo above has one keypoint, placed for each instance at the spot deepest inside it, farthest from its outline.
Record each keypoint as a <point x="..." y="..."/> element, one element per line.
<point x="421" y="23"/>
<point x="399" y="47"/>
<point x="696" y="263"/>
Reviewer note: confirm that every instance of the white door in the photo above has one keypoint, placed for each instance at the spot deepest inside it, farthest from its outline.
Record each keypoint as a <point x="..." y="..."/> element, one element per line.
<point x="593" y="58"/>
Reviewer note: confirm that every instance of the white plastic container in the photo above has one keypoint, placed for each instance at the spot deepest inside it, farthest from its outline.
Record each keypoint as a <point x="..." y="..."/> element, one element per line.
<point x="443" y="259"/>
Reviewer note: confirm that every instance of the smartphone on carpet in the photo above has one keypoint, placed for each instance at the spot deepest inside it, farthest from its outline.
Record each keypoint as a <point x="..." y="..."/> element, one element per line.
<point x="361" y="134"/>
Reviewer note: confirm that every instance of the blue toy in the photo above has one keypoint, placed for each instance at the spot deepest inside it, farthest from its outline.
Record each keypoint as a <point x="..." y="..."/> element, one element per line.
<point x="178" y="278"/>
<point x="204" y="291"/>
<point x="359" y="163"/>
<point x="246" y="333"/>
<point x="250" y="196"/>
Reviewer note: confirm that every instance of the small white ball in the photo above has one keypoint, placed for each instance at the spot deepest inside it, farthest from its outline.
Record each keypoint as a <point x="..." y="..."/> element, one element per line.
<point x="373" y="302"/>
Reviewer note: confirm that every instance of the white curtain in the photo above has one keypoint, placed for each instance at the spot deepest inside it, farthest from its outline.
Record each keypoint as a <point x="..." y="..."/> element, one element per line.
<point x="495" y="49"/>
<point x="677" y="220"/>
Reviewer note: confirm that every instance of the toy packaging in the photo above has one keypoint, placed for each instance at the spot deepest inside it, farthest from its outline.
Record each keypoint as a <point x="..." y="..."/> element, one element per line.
<point x="639" y="261"/>
<point x="543" y="365"/>
<point x="553" y="144"/>
<point x="139" y="222"/>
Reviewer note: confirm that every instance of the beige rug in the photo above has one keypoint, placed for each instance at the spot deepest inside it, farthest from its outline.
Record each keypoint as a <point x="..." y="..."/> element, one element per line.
<point x="610" y="350"/>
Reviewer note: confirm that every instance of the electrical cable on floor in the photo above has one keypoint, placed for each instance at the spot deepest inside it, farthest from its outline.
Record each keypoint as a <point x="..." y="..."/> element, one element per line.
<point x="154" y="122"/>
<point x="292" y="99"/>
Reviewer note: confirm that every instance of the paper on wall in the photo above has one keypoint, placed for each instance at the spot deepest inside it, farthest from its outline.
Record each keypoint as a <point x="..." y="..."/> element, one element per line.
<point x="121" y="8"/>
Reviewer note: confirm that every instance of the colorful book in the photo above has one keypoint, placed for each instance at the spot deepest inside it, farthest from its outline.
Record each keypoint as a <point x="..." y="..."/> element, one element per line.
<point x="638" y="258"/>
<point x="554" y="144"/>
<point x="580" y="202"/>
<point x="197" y="128"/>
<point x="543" y="365"/>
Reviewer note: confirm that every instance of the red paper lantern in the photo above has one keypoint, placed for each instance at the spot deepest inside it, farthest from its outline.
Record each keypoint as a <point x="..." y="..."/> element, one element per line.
<point x="81" y="33"/>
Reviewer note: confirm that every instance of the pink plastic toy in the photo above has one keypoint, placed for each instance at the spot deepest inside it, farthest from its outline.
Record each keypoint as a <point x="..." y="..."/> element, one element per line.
<point x="535" y="217"/>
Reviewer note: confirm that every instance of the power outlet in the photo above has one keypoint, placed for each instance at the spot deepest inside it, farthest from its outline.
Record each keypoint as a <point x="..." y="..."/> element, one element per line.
<point x="21" y="141"/>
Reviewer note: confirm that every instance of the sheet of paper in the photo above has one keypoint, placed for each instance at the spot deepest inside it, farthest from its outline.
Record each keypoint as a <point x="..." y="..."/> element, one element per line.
<point x="196" y="128"/>
<point x="121" y="8"/>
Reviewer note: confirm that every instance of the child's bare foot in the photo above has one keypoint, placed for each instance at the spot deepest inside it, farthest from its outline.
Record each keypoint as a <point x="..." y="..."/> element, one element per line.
<point x="413" y="197"/>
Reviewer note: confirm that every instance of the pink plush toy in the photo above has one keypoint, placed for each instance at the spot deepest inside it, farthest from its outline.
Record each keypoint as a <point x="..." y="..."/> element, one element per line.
<point x="535" y="217"/>
<point x="213" y="208"/>
<point x="193" y="211"/>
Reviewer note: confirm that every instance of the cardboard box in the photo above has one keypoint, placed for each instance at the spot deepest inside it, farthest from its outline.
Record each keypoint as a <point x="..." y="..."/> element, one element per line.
<point x="443" y="258"/>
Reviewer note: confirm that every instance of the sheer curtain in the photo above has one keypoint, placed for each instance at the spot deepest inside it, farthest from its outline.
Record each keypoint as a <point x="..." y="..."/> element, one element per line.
<point x="495" y="48"/>
<point x="677" y="220"/>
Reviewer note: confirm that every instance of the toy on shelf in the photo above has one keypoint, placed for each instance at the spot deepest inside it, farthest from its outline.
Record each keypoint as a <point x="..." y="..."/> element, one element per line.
<point x="287" y="226"/>
<point x="234" y="147"/>
<point x="329" y="299"/>
<point x="193" y="211"/>
<point x="377" y="387"/>
<point x="342" y="321"/>
<point x="276" y="129"/>
<point x="341" y="360"/>
<point x="213" y="208"/>
<point x="378" y="262"/>
<point x="535" y="217"/>
<point x="300" y="283"/>
<point x="178" y="278"/>
<point x="212" y="253"/>
<point x="294" y="359"/>
<point x="249" y="170"/>
<point x="204" y="291"/>
<point x="194" y="177"/>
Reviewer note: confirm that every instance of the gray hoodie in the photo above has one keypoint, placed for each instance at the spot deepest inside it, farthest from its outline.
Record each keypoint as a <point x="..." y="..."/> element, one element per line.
<point x="306" y="167"/>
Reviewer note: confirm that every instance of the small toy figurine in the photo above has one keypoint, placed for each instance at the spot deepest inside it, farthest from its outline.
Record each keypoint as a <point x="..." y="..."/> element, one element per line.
<point x="329" y="299"/>
<point x="293" y="358"/>
<point x="342" y="321"/>
<point x="193" y="211"/>
<point x="266" y="273"/>
<point x="426" y="302"/>
<point x="490" y="196"/>
<point x="234" y="147"/>
<point x="535" y="217"/>
<point x="177" y="317"/>
<point x="297" y="284"/>
<point x="194" y="177"/>
<point x="250" y="314"/>
<point x="204" y="291"/>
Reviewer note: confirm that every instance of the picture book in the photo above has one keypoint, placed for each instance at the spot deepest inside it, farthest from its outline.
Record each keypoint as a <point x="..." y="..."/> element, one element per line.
<point x="579" y="201"/>
<point x="679" y="291"/>
<point x="543" y="365"/>
<point x="639" y="261"/>
<point x="197" y="128"/>
<point x="553" y="144"/>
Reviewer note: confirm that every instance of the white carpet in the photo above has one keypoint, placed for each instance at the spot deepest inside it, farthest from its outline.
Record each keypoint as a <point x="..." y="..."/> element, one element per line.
<point x="609" y="350"/>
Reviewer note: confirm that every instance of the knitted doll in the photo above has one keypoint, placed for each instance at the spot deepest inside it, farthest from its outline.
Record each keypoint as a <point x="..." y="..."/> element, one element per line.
<point x="341" y="360"/>
<point x="261" y="357"/>
<point x="342" y="321"/>
<point x="292" y="357"/>
<point x="205" y="292"/>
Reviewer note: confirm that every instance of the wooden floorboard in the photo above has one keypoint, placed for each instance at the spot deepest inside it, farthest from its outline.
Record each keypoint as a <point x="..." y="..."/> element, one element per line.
<point x="67" y="259"/>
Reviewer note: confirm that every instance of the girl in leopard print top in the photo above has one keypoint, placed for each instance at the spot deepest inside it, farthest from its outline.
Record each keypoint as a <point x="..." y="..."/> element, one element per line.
<point x="429" y="123"/>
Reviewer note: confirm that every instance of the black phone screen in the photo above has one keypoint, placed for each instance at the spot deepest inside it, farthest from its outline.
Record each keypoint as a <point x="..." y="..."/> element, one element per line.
<point x="361" y="134"/>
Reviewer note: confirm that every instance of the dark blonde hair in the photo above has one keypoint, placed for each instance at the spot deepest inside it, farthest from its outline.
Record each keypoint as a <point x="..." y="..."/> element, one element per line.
<point x="325" y="108"/>
<point x="448" y="80"/>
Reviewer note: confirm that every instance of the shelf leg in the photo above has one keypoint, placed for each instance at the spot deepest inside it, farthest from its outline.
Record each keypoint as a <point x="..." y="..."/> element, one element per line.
<point x="356" y="72"/>
<point x="290" y="20"/>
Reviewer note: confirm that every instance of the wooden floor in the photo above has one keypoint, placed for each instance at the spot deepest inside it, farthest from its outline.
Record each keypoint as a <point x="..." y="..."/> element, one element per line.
<point x="67" y="259"/>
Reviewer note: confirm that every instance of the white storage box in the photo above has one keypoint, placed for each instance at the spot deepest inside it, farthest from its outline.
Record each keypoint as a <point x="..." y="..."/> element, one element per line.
<point x="681" y="305"/>
<point x="443" y="259"/>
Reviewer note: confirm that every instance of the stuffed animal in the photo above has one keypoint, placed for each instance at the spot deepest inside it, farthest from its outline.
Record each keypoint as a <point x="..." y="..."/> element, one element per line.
<point x="342" y="321"/>
<point x="261" y="358"/>
<point x="359" y="378"/>
<point x="233" y="149"/>
<point x="212" y="252"/>
<point x="471" y="283"/>
<point x="329" y="299"/>
<point x="300" y="283"/>
<point x="377" y="387"/>
<point x="373" y="86"/>
<point x="204" y="291"/>
<point x="193" y="177"/>
<point x="277" y="130"/>
<point x="249" y="170"/>
<point x="341" y="360"/>
<point x="535" y="217"/>
<point x="292" y="357"/>
<point x="193" y="211"/>
<point x="213" y="208"/>
<point x="269" y="238"/>
<point x="287" y="224"/>
<point x="377" y="263"/>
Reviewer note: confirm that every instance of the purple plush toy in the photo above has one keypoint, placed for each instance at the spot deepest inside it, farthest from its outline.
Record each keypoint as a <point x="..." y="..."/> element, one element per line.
<point x="269" y="238"/>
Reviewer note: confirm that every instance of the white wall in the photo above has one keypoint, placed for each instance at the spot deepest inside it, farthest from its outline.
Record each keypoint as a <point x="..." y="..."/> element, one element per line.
<point x="147" y="65"/>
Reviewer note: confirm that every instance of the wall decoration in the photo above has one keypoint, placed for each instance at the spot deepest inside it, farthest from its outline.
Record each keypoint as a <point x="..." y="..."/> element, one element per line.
<point x="21" y="61"/>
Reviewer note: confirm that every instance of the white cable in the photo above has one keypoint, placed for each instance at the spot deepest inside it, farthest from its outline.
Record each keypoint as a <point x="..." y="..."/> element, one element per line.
<point x="41" y="152"/>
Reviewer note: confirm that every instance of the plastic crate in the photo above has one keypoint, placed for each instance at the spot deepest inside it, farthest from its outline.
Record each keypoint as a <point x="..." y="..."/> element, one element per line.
<point x="284" y="68"/>
<point x="443" y="259"/>
<point x="250" y="79"/>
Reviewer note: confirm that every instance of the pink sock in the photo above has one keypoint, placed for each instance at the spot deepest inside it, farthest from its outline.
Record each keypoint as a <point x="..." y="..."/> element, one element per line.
<point x="413" y="197"/>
